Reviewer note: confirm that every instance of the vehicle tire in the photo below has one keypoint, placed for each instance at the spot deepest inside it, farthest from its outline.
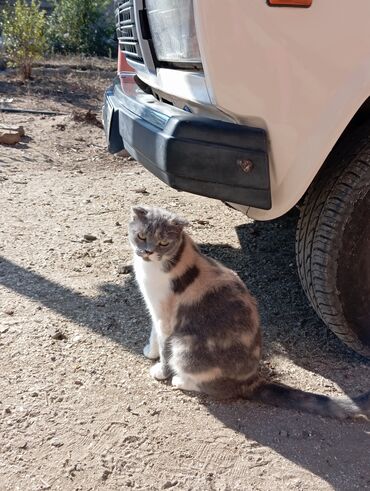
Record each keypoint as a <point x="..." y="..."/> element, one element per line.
<point x="333" y="241"/>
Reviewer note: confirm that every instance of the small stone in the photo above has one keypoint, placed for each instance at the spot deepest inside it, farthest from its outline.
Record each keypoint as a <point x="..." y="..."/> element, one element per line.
<point x="77" y="338"/>
<point x="9" y="137"/>
<point x="55" y="442"/>
<point x="56" y="334"/>
<point x="169" y="484"/>
<point x="125" y="269"/>
<point x="34" y="394"/>
<point x="9" y="312"/>
<point x="108" y="241"/>
<point x="3" y="329"/>
<point x="78" y="382"/>
<point x="106" y="473"/>
<point x="53" y="358"/>
<point x="90" y="237"/>
<point x="117" y="224"/>
<point x="22" y="444"/>
<point x="141" y="190"/>
<point x="88" y="265"/>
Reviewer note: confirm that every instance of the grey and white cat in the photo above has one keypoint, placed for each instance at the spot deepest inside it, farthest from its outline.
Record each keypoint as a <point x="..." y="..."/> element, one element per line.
<point x="206" y="330"/>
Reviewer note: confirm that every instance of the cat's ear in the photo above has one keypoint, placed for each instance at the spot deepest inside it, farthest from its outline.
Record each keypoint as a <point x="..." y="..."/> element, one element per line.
<point x="139" y="212"/>
<point x="179" y="223"/>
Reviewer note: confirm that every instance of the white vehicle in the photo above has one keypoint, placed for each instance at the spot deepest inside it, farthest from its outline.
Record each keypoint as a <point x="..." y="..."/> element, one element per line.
<point x="264" y="105"/>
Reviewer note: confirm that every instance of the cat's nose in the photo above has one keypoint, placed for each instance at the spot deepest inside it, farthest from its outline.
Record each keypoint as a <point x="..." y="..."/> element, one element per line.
<point x="148" y="252"/>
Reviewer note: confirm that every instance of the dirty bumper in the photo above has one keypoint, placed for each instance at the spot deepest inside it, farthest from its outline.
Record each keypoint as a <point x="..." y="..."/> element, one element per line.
<point x="200" y="155"/>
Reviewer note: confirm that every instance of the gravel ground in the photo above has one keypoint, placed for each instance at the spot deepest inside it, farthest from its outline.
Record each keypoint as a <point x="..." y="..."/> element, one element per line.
<point x="78" y="408"/>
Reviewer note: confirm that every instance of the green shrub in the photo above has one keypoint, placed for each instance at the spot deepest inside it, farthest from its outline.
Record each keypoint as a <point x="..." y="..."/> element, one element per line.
<point x="23" y="29"/>
<point x="82" y="26"/>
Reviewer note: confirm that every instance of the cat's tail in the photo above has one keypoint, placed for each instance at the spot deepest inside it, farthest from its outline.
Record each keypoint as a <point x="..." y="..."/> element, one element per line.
<point x="287" y="397"/>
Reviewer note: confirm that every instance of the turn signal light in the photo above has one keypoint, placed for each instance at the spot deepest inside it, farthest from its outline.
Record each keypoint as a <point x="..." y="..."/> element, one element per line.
<point x="289" y="3"/>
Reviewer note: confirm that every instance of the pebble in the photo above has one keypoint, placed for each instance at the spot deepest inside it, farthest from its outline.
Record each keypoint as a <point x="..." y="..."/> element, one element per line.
<point x="55" y="442"/>
<point x="3" y="329"/>
<point x="106" y="473"/>
<point x="9" y="312"/>
<point x="56" y="334"/>
<point x="108" y="241"/>
<point x="125" y="269"/>
<point x="169" y="484"/>
<point x="90" y="237"/>
<point x="141" y="190"/>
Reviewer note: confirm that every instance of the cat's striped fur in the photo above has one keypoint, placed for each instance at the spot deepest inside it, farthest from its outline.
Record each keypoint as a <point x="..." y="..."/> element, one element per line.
<point x="206" y="330"/>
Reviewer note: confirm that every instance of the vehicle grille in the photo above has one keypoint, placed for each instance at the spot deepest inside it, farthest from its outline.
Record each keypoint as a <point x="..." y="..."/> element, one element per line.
<point x="126" y="30"/>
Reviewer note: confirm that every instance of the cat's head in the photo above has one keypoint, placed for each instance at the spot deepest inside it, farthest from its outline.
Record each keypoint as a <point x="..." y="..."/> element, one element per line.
<point x="155" y="234"/>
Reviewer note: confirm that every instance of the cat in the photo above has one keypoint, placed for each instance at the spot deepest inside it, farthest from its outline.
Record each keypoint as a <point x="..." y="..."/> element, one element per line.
<point x="206" y="329"/>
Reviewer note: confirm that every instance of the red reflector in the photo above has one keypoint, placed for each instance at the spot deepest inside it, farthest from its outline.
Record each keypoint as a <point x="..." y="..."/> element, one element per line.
<point x="122" y="65"/>
<point x="289" y="3"/>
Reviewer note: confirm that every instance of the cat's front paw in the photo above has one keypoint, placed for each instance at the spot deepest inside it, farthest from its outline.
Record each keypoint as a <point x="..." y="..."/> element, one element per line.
<point x="157" y="372"/>
<point x="150" y="352"/>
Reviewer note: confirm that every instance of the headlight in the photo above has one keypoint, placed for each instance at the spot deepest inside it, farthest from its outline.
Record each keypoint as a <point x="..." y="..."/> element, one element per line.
<point x="172" y="28"/>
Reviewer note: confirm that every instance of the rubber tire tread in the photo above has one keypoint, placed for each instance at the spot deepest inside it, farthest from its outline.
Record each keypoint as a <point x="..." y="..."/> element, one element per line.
<point x="326" y="209"/>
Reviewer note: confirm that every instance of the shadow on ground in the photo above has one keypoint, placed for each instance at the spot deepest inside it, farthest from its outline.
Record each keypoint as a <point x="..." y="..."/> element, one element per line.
<point x="65" y="84"/>
<point x="326" y="448"/>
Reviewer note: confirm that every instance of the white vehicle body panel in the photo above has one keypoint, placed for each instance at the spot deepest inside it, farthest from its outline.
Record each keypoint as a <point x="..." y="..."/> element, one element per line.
<point x="299" y="73"/>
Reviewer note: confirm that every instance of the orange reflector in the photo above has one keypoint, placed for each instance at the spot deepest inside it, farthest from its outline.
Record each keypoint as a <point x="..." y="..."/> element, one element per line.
<point x="289" y="3"/>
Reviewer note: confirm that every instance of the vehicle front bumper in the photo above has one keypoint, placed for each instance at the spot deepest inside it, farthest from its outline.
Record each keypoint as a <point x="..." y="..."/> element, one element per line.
<point x="188" y="152"/>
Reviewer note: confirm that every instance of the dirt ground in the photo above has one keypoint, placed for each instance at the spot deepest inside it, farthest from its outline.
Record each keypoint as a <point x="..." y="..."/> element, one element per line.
<point x="78" y="408"/>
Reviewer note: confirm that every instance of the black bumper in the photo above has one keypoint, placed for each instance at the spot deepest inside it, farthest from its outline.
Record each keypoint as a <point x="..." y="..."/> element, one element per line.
<point x="200" y="155"/>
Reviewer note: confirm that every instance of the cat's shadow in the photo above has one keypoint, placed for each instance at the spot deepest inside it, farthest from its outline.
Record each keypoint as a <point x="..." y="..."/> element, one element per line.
<point x="266" y="263"/>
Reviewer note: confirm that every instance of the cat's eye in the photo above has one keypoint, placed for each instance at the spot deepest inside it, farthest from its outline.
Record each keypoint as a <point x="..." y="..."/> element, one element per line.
<point x="141" y="236"/>
<point x="163" y="243"/>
